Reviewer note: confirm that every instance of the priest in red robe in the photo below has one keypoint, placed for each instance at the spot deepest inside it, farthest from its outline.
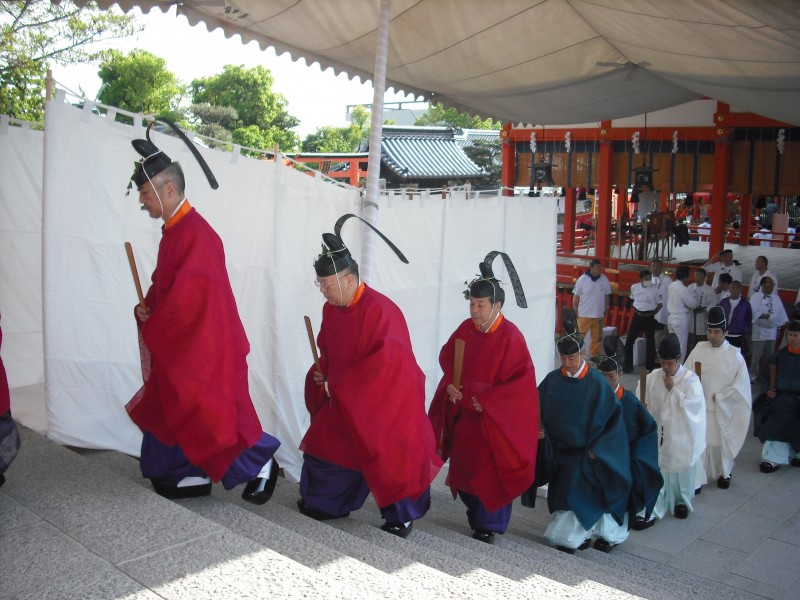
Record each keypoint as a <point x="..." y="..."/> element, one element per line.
<point x="194" y="409"/>
<point x="488" y="425"/>
<point x="369" y="431"/>
<point x="9" y="436"/>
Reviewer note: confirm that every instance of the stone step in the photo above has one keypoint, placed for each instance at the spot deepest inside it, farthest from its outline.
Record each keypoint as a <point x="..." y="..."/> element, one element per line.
<point x="72" y="530"/>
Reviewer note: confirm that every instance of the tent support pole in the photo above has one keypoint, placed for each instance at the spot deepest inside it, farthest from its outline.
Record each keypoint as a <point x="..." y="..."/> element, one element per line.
<point x="370" y="201"/>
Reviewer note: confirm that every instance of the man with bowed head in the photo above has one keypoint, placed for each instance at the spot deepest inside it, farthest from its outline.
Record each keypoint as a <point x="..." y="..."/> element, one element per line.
<point x="675" y="399"/>
<point x="589" y="468"/>
<point x="726" y="386"/>
<point x="194" y="409"/>
<point x="369" y="431"/>
<point x="488" y="425"/>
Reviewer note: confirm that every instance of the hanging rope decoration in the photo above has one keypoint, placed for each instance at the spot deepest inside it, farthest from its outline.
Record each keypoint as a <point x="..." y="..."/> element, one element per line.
<point x="635" y="141"/>
<point x="675" y="142"/>
<point x="568" y="141"/>
<point x="781" y="139"/>
<point x="533" y="143"/>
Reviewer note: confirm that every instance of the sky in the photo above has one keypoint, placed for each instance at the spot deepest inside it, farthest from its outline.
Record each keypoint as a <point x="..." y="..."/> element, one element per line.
<point x="192" y="52"/>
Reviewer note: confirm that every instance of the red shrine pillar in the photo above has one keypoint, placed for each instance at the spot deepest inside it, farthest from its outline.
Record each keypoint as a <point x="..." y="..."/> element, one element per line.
<point x="605" y="177"/>
<point x="509" y="170"/>
<point x="719" y="194"/>
<point x="745" y="210"/>
<point x="568" y="236"/>
<point x="664" y="201"/>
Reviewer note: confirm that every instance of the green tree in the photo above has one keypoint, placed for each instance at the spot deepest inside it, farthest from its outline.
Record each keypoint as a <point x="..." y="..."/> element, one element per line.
<point x="488" y="154"/>
<point x="34" y="32"/>
<point x="437" y="115"/>
<point x="340" y="139"/>
<point x="262" y="117"/>
<point x="139" y="82"/>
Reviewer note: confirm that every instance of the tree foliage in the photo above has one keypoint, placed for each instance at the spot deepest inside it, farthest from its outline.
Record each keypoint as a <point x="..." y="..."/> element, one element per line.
<point x="35" y="32"/>
<point x="262" y="119"/>
<point x="139" y="82"/>
<point x="437" y="115"/>
<point x="340" y="139"/>
<point x="488" y="155"/>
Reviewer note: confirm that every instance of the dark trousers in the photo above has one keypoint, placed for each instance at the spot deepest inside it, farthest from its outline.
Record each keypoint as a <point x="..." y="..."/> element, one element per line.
<point x="481" y="519"/>
<point x="336" y="491"/>
<point x="641" y="324"/>
<point x="169" y="463"/>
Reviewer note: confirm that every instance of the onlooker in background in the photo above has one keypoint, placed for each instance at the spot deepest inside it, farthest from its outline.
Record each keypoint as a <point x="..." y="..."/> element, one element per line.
<point x="704" y="297"/>
<point x="646" y="303"/>
<point x="723" y="287"/>
<point x="680" y="304"/>
<point x="722" y="262"/>
<point x="768" y="315"/>
<point x="761" y="271"/>
<point x="765" y="235"/>
<point x="590" y="301"/>
<point x="675" y="399"/>
<point x="661" y="281"/>
<point x="776" y="412"/>
<point x="738" y="314"/>
<point x="703" y="230"/>
<point x="726" y="385"/>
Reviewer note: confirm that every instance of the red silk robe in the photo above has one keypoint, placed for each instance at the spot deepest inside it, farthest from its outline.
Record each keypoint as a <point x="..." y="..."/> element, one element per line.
<point x="5" y="394"/>
<point x="374" y="421"/>
<point x="196" y="393"/>
<point x="493" y="452"/>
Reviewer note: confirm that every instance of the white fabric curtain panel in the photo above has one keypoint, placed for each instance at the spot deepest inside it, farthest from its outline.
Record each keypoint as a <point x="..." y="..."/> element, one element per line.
<point x="270" y="218"/>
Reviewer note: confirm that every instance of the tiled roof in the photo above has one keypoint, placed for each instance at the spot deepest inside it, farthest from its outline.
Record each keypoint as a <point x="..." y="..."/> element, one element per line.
<point x="426" y="153"/>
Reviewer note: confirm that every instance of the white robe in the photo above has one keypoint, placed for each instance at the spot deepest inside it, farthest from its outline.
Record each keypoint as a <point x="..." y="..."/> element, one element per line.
<point x="726" y="386"/>
<point x="681" y="418"/>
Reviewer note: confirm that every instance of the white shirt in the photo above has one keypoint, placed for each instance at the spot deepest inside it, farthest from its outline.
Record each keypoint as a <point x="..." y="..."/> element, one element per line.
<point x="765" y="236"/>
<point x="718" y="268"/>
<point x="592" y="295"/>
<point x="662" y="282"/>
<point x="645" y="298"/>
<point x="755" y="282"/>
<point x="680" y="301"/>
<point x="767" y="329"/>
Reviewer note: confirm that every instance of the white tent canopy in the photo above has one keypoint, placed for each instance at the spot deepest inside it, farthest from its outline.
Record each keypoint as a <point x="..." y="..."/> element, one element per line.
<point x="545" y="62"/>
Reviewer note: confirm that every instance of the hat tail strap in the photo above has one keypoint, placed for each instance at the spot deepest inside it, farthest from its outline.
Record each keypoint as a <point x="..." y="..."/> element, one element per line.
<point x="212" y="181"/>
<point x="338" y="228"/>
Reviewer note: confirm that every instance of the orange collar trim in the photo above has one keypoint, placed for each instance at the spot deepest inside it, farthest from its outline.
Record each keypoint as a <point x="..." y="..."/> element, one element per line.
<point x="793" y="350"/>
<point x="619" y="391"/>
<point x="182" y="212"/>
<point x="494" y="326"/>
<point x="580" y="375"/>
<point x="357" y="296"/>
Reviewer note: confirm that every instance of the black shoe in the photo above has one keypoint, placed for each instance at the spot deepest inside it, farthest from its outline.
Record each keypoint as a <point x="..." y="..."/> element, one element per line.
<point x="640" y="523"/>
<point x="259" y="491"/>
<point x="795" y="463"/>
<point x="173" y="492"/>
<point x="768" y="467"/>
<point x="565" y="549"/>
<point x="681" y="511"/>
<point x="698" y="490"/>
<point x="484" y="536"/>
<point x="723" y="483"/>
<point x="602" y="545"/>
<point x="315" y="514"/>
<point x="399" y="529"/>
<point x="3" y="479"/>
<point x="585" y="544"/>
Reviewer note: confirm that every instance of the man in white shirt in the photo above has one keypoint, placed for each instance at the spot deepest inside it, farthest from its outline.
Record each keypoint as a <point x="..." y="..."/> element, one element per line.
<point x="765" y="235"/>
<point x="723" y="263"/>
<point x="761" y="271"/>
<point x="661" y="281"/>
<point x="590" y="301"/>
<point x="768" y="316"/>
<point x="646" y="303"/>
<point x="726" y="386"/>
<point x="675" y="399"/>
<point x="722" y="290"/>
<point x="680" y="304"/>
<point x="703" y="230"/>
<point x="704" y="297"/>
